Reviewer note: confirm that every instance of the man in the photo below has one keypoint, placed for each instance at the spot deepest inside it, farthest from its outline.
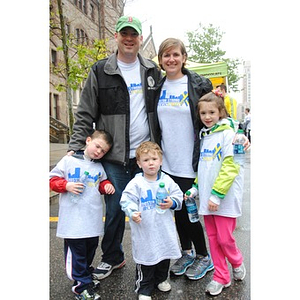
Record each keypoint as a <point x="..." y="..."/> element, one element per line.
<point x="230" y="103"/>
<point x="247" y="124"/>
<point x="118" y="97"/>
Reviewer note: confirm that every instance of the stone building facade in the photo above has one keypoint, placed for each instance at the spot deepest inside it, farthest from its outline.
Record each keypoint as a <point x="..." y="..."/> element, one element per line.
<point x="85" y="20"/>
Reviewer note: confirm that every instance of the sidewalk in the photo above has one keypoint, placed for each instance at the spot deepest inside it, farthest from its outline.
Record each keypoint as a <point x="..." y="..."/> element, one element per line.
<point x="57" y="151"/>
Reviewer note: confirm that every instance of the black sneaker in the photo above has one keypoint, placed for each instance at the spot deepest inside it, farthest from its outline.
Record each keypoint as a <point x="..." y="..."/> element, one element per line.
<point x="104" y="270"/>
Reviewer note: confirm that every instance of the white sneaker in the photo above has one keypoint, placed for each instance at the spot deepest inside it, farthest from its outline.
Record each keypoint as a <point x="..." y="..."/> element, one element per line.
<point x="239" y="273"/>
<point x="144" y="297"/>
<point x="215" y="288"/>
<point x="164" y="286"/>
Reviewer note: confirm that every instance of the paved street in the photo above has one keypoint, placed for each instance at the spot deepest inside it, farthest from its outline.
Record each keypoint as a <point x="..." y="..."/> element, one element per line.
<point x="120" y="284"/>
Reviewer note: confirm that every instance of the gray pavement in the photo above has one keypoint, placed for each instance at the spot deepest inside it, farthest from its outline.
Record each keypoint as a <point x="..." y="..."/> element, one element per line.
<point x="120" y="284"/>
<point x="57" y="151"/>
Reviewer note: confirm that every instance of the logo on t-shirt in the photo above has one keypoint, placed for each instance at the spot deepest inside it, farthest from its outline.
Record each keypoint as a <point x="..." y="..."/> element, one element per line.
<point x="174" y="100"/>
<point x="135" y="88"/>
<point x="148" y="202"/>
<point x="91" y="181"/>
<point x="211" y="154"/>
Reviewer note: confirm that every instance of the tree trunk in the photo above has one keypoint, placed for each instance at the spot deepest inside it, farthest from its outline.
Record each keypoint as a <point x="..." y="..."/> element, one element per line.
<point x="66" y="58"/>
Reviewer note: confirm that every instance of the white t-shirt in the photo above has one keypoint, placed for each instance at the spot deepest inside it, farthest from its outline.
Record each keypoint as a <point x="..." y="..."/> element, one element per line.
<point x="175" y="120"/>
<point x="155" y="238"/>
<point x="139" y="127"/>
<point x="215" y="147"/>
<point x="85" y="218"/>
<point x="248" y="118"/>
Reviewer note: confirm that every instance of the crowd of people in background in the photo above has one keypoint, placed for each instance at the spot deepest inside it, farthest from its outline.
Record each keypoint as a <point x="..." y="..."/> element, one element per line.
<point x="127" y="99"/>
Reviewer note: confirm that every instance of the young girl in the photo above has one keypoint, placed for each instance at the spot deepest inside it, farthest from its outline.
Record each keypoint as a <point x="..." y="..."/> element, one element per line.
<point x="220" y="185"/>
<point x="154" y="238"/>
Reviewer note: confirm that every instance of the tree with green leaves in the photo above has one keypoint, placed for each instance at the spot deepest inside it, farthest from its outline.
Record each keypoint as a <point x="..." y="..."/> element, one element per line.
<point x="204" y="47"/>
<point x="78" y="59"/>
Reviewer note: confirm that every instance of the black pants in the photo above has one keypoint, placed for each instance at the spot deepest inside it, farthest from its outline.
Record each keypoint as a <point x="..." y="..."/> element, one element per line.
<point x="248" y="135"/>
<point x="188" y="232"/>
<point x="148" y="277"/>
<point x="79" y="255"/>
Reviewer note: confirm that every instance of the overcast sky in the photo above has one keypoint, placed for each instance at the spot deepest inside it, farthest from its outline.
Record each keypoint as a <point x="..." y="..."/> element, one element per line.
<point x="171" y="18"/>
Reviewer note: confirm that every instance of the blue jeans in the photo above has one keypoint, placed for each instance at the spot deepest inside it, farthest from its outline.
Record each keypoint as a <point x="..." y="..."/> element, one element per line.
<point x="115" y="218"/>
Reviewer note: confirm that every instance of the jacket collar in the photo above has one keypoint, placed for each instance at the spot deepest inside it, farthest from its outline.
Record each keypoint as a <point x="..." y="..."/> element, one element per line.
<point x="111" y="66"/>
<point x="222" y="125"/>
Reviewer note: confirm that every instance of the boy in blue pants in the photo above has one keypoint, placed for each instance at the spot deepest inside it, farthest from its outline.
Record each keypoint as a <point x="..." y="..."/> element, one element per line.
<point x="80" y="221"/>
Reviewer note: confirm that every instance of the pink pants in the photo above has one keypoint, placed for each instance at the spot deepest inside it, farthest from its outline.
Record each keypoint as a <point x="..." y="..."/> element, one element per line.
<point x="222" y="245"/>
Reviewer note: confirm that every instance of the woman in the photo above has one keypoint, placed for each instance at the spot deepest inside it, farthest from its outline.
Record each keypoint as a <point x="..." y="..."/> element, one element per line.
<point x="176" y="101"/>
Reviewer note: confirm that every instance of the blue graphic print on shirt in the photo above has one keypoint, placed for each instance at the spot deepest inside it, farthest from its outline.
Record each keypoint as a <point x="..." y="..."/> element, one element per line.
<point x="211" y="154"/>
<point x="174" y="100"/>
<point x="148" y="202"/>
<point x="135" y="88"/>
<point x="92" y="180"/>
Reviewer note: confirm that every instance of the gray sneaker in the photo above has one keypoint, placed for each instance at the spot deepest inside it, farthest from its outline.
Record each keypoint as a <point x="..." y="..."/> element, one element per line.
<point x="215" y="288"/>
<point x="201" y="265"/>
<point x="182" y="263"/>
<point x="239" y="273"/>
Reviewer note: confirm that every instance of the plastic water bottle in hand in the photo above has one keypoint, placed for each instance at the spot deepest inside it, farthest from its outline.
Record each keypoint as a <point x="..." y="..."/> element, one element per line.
<point x="238" y="148"/>
<point x="191" y="208"/>
<point x="161" y="194"/>
<point x="82" y="179"/>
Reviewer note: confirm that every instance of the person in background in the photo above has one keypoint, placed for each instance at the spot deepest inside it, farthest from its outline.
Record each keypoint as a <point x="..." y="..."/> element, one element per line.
<point x="178" y="134"/>
<point x="118" y="97"/>
<point x="80" y="223"/>
<point x="230" y="102"/>
<point x="154" y="237"/>
<point x="220" y="187"/>
<point x="247" y="124"/>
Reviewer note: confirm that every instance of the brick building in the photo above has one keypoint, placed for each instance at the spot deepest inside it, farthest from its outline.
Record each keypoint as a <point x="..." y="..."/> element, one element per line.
<point x="85" y="21"/>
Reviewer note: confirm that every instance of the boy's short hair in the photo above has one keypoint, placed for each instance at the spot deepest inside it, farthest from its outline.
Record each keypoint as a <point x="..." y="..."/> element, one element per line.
<point x="147" y="147"/>
<point x="106" y="136"/>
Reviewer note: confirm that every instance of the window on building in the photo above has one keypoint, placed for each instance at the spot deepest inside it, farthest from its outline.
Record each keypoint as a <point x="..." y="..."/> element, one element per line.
<point x="84" y="6"/>
<point x="53" y="57"/>
<point x="67" y="29"/>
<point x="92" y="12"/>
<point x="81" y="37"/>
<point x="54" y="106"/>
<point x="75" y="2"/>
<point x="80" y="4"/>
<point x="78" y="36"/>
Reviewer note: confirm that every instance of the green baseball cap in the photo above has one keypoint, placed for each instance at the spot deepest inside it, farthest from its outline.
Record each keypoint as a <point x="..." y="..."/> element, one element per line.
<point x="129" y="22"/>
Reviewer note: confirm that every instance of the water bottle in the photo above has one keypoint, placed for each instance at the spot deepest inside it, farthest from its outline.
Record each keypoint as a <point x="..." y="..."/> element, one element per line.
<point x="161" y="194"/>
<point x="238" y="148"/>
<point x="82" y="179"/>
<point x="191" y="208"/>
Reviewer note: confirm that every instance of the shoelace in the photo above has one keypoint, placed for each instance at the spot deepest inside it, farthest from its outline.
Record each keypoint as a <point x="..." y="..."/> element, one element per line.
<point x="197" y="263"/>
<point x="182" y="259"/>
<point x="104" y="265"/>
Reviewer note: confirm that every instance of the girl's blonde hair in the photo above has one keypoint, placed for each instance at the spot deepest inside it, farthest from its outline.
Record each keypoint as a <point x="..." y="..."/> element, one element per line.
<point x="212" y="97"/>
<point x="147" y="147"/>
